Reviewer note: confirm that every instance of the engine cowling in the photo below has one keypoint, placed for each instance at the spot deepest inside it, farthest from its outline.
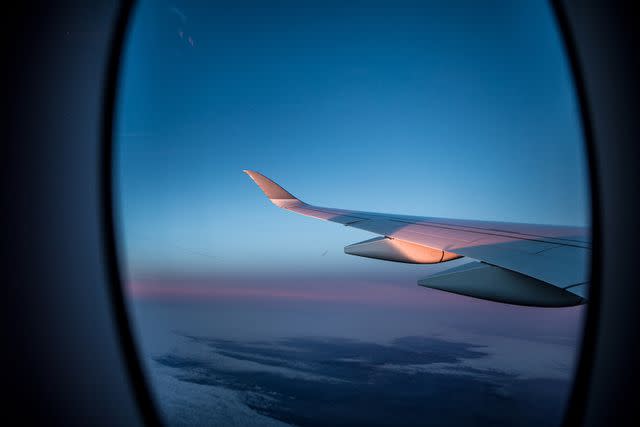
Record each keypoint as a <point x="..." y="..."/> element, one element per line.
<point x="484" y="281"/>
<point x="391" y="249"/>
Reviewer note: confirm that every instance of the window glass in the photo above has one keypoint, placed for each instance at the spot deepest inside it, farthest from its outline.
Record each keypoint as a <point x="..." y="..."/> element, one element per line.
<point x="246" y="314"/>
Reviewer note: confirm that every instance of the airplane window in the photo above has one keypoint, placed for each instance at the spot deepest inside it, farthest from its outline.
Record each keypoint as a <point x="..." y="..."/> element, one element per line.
<point x="352" y="213"/>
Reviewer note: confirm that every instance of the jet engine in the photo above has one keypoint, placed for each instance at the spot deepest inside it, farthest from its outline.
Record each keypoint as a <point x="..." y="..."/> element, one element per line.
<point x="390" y="249"/>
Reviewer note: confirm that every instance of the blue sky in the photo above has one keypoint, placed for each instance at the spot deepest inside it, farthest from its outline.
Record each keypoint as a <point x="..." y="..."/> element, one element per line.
<point x="435" y="109"/>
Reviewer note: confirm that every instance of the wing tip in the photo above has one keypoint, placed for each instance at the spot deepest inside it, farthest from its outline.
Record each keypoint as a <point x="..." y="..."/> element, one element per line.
<point x="270" y="188"/>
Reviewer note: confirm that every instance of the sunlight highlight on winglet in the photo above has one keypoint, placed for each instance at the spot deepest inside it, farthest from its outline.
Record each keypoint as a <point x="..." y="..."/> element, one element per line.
<point x="272" y="190"/>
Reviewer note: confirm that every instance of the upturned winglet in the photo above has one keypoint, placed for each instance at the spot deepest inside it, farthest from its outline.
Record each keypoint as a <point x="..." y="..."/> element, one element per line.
<point x="272" y="190"/>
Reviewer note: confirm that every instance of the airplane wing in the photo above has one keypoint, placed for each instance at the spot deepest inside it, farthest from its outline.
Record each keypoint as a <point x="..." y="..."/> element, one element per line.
<point x="523" y="264"/>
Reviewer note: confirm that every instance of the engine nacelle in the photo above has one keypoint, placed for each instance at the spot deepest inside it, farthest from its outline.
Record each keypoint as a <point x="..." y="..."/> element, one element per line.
<point x="484" y="281"/>
<point x="391" y="249"/>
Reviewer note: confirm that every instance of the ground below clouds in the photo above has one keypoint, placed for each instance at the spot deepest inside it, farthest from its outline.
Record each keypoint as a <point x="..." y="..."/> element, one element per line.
<point x="319" y="381"/>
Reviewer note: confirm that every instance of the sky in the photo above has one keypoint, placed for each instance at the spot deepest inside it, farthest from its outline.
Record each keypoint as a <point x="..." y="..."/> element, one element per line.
<point x="442" y="109"/>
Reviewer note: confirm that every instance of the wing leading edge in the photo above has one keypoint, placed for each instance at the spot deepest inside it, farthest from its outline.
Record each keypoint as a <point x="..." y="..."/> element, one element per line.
<point x="524" y="264"/>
